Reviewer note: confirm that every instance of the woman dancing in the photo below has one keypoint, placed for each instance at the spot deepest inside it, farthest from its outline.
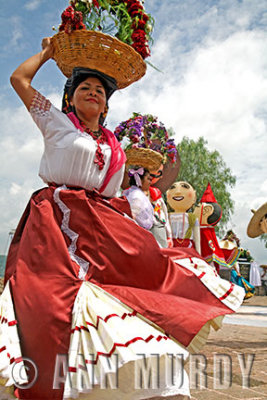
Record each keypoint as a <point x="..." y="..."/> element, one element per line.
<point x="83" y="280"/>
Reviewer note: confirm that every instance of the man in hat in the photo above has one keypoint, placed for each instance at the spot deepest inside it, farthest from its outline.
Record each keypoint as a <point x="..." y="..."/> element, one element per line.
<point x="258" y="224"/>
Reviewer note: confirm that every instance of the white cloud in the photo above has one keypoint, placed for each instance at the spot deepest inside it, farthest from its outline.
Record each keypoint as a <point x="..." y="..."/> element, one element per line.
<point x="21" y="144"/>
<point x="15" y="189"/>
<point x="263" y="187"/>
<point x="32" y="4"/>
<point x="15" y="37"/>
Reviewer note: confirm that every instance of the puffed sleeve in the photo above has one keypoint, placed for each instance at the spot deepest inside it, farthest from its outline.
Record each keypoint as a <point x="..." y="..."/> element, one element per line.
<point x="53" y="123"/>
<point x="141" y="207"/>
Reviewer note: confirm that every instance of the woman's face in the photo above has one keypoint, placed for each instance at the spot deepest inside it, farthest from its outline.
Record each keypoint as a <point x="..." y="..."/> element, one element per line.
<point x="181" y="196"/>
<point x="146" y="181"/>
<point x="89" y="98"/>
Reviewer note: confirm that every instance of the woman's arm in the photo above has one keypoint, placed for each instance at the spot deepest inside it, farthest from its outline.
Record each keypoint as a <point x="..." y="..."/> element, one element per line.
<point x="22" y="77"/>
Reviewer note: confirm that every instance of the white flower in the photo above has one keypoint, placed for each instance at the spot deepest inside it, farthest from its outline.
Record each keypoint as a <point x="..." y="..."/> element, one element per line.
<point x="149" y="27"/>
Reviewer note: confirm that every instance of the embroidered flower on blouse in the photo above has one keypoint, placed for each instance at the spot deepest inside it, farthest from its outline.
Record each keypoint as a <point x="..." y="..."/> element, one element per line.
<point x="40" y="105"/>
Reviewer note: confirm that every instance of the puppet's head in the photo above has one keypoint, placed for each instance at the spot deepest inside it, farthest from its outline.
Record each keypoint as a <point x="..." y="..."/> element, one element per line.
<point x="258" y="224"/>
<point x="208" y="211"/>
<point x="181" y="196"/>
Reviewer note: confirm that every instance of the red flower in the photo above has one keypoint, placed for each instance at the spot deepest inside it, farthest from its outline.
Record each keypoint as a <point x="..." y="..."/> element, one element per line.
<point x="68" y="14"/>
<point x="96" y="4"/>
<point x="78" y="21"/>
<point x="138" y="35"/>
<point x="71" y="20"/>
<point x="67" y="17"/>
<point x="135" y="13"/>
<point x="135" y="6"/>
<point x="130" y="2"/>
<point x="144" y="16"/>
<point x="142" y="49"/>
<point x="139" y="24"/>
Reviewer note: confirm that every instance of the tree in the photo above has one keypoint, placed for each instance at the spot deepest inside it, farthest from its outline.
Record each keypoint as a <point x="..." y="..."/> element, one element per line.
<point x="200" y="166"/>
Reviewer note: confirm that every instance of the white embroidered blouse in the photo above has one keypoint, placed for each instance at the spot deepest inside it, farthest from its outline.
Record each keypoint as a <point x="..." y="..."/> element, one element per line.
<point x="179" y="225"/>
<point x="69" y="154"/>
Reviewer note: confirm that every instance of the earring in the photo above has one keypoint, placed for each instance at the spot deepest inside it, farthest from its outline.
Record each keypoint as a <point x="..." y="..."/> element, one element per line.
<point x="68" y="107"/>
<point x="103" y="115"/>
<point x="105" y="112"/>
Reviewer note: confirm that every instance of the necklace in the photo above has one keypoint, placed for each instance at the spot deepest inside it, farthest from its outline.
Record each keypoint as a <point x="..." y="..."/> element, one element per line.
<point x="100" y="138"/>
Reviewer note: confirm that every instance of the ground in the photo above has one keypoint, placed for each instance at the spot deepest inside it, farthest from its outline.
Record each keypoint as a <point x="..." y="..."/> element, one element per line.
<point x="232" y="340"/>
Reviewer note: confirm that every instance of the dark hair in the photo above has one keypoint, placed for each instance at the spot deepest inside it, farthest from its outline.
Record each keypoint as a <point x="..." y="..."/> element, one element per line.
<point x="215" y="217"/>
<point x="132" y="181"/>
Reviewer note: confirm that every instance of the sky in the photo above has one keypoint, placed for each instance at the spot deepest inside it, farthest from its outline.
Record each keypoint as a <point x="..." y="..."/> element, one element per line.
<point x="212" y="57"/>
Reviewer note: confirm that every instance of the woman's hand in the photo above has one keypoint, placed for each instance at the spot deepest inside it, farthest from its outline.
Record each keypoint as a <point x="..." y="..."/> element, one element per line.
<point x="47" y="47"/>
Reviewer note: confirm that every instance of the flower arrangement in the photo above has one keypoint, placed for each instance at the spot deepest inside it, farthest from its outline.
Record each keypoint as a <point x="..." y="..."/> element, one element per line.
<point x="144" y="131"/>
<point x="124" y="19"/>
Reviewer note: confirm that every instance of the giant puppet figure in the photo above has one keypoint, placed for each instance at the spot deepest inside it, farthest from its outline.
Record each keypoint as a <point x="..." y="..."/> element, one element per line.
<point x="209" y="213"/>
<point x="258" y="224"/>
<point x="181" y="196"/>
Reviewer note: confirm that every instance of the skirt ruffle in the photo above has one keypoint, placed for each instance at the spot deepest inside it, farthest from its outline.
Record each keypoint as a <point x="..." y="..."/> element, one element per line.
<point x="109" y="338"/>
<point x="12" y="369"/>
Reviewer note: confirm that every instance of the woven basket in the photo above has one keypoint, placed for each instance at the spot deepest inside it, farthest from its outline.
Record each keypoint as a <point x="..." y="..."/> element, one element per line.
<point x="96" y="50"/>
<point x="142" y="157"/>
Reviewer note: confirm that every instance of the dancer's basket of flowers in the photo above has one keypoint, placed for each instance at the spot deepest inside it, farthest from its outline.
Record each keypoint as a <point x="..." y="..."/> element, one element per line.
<point x="82" y="40"/>
<point x="146" y="142"/>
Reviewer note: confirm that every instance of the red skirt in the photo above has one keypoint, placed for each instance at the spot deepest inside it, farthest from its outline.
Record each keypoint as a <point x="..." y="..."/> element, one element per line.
<point x="67" y="234"/>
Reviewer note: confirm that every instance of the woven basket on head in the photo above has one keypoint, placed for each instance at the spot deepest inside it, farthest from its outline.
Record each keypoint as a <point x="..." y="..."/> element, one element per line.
<point x="96" y="50"/>
<point x="143" y="157"/>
